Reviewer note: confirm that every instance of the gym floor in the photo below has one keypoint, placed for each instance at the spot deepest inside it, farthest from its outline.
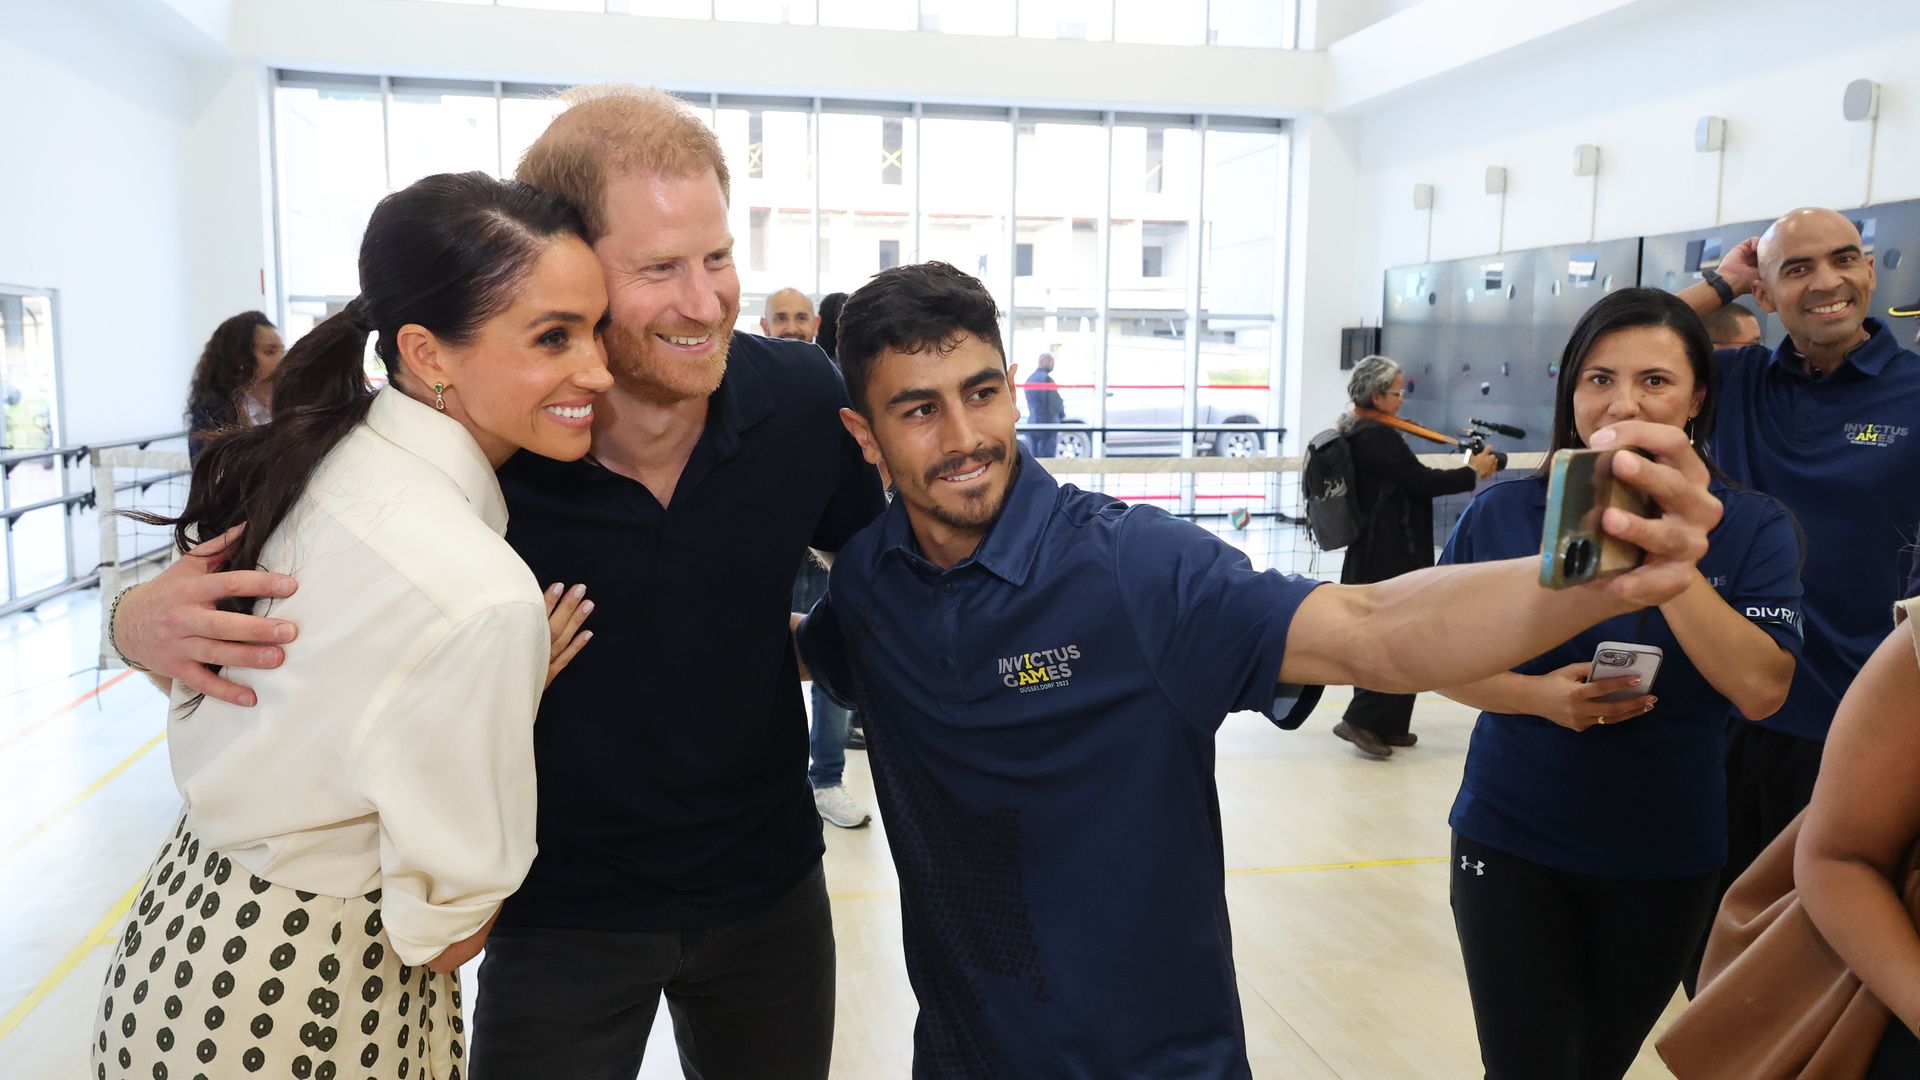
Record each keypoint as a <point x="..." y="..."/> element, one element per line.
<point x="1337" y="881"/>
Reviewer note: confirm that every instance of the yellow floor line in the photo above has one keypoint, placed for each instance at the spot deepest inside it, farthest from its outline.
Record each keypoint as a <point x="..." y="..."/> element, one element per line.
<point x="126" y="763"/>
<point x="1368" y="864"/>
<point x="101" y="934"/>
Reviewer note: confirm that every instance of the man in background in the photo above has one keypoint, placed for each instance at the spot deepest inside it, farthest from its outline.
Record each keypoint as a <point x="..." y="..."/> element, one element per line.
<point x="789" y="316"/>
<point x="1733" y="327"/>
<point x="1824" y="423"/>
<point x="1044" y="407"/>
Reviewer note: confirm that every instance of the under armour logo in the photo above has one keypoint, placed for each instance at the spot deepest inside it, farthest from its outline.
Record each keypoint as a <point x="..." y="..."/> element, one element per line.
<point x="1479" y="868"/>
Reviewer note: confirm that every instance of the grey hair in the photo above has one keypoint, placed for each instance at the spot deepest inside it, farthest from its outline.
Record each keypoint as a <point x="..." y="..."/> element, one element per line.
<point x="1372" y="375"/>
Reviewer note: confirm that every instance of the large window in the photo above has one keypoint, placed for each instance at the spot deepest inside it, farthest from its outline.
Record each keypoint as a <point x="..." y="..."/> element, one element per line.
<point x="1268" y="24"/>
<point x="1141" y="252"/>
<point x="35" y="553"/>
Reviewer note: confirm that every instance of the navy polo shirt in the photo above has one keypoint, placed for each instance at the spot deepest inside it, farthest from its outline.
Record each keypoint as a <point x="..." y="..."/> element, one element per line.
<point x="1645" y="798"/>
<point x="1040" y="722"/>
<point x="672" y="753"/>
<point x="1841" y="452"/>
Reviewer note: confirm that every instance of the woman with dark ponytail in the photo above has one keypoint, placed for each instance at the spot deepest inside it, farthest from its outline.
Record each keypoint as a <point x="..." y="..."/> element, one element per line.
<point x="344" y="848"/>
<point x="233" y="382"/>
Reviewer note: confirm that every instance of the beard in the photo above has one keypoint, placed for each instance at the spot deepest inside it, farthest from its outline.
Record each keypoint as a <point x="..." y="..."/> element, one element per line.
<point x="978" y="509"/>
<point x="651" y="370"/>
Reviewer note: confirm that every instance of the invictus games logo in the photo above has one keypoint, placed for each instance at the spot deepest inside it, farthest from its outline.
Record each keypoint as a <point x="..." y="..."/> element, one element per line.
<point x="1874" y="434"/>
<point x="1046" y="669"/>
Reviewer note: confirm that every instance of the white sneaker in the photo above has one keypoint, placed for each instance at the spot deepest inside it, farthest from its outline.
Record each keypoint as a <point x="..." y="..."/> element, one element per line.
<point x="839" y="808"/>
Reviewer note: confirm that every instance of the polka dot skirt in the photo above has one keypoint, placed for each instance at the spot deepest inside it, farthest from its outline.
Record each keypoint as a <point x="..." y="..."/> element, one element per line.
<point x="221" y="974"/>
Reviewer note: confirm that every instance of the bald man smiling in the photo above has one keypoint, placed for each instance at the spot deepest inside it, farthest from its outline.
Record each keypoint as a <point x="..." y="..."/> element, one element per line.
<point x="1824" y="424"/>
<point x="789" y="315"/>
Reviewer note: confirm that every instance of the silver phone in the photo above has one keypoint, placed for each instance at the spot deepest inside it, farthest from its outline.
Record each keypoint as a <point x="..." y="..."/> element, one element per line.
<point x="1619" y="659"/>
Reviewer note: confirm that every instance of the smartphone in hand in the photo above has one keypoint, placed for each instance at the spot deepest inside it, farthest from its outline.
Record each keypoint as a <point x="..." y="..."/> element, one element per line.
<point x="1574" y="549"/>
<point x="1619" y="659"/>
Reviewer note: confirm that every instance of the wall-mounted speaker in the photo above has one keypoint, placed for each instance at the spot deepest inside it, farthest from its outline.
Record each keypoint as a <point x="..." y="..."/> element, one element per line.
<point x="1423" y="196"/>
<point x="1710" y="135"/>
<point x="1862" y="100"/>
<point x="1496" y="180"/>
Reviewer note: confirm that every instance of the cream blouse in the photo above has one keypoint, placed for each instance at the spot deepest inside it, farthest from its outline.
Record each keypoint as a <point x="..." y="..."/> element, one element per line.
<point x="394" y="748"/>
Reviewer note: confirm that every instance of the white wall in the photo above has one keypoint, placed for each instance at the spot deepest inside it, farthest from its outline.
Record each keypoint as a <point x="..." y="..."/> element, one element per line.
<point x="1636" y="93"/>
<point x="133" y="188"/>
<point x="1632" y="83"/>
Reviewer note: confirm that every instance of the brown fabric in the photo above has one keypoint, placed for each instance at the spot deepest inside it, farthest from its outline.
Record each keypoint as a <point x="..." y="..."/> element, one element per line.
<point x="1775" y="1001"/>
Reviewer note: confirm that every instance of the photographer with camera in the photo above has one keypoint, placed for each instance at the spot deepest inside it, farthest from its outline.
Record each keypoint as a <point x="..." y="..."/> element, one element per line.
<point x="1396" y="493"/>
<point x="1591" y="823"/>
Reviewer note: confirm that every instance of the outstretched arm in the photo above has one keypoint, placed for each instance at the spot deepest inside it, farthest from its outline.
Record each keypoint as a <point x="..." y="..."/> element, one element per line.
<point x="1452" y="625"/>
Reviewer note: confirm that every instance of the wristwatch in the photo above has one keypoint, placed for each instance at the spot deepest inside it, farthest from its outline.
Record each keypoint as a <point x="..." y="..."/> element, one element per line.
<point x="1719" y="285"/>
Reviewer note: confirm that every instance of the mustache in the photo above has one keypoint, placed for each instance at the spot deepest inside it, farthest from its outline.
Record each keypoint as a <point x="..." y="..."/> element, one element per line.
<point x="956" y="462"/>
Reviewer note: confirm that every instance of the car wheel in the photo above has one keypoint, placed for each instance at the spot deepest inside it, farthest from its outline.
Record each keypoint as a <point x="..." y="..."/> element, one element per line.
<point x="1240" y="444"/>
<point x="1073" y="444"/>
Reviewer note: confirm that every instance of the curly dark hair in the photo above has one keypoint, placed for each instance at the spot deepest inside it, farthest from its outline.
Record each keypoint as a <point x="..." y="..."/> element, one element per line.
<point x="224" y="373"/>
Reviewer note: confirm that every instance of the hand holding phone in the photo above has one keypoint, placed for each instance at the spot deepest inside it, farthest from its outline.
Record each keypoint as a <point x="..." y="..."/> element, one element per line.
<point x="1625" y="659"/>
<point x="1577" y="697"/>
<point x="1673" y="533"/>
<point x="1575" y="548"/>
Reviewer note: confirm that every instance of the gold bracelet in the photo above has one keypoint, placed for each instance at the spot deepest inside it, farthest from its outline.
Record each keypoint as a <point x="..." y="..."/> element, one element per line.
<point x="113" y="614"/>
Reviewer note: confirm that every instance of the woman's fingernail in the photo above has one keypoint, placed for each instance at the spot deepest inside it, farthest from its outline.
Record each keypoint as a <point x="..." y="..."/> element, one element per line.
<point x="586" y="607"/>
<point x="579" y="591"/>
<point x="1604" y="437"/>
<point x="283" y="632"/>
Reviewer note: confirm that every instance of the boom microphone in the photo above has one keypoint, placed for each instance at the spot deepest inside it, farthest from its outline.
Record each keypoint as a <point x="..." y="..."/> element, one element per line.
<point x="1508" y="430"/>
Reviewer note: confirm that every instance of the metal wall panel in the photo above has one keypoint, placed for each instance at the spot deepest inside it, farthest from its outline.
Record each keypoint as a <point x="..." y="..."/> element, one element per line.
<point x="1674" y="261"/>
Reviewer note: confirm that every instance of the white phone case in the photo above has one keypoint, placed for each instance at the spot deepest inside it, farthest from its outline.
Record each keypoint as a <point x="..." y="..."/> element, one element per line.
<point x="1617" y="659"/>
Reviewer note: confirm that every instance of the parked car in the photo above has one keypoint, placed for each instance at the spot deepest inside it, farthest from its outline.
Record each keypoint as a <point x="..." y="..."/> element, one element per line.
<point x="1135" y="409"/>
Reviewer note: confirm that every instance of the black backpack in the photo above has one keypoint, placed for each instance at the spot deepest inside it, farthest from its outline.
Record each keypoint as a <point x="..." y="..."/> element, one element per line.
<point x="1334" y="516"/>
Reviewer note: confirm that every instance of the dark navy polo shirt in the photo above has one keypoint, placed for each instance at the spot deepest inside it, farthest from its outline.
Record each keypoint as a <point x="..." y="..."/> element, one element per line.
<point x="672" y="753"/>
<point x="1645" y="798"/>
<point x="1843" y="453"/>
<point x="1040" y="722"/>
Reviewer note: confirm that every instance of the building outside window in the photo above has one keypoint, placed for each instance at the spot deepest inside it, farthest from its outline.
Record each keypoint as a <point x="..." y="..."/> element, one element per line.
<point x="1142" y="251"/>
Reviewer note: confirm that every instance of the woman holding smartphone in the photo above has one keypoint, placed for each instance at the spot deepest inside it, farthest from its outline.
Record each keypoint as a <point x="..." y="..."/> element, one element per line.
<point x="345" y="846"/>
<point x="1590" y="827"/>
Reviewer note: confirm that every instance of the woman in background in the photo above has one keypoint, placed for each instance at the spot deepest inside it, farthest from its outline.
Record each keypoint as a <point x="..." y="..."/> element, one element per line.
<point x="1396" y="493"/>
<point x="233" y="382"/>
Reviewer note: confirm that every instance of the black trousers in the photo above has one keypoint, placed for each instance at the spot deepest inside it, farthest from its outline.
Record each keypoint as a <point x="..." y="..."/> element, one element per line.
<point x="1382" y="714"/>
<point x="1769" y="781"/>
<point x="1568" y="972"/>
<point x="749" y="1000"/>
<point x="1899" y="1055"/>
